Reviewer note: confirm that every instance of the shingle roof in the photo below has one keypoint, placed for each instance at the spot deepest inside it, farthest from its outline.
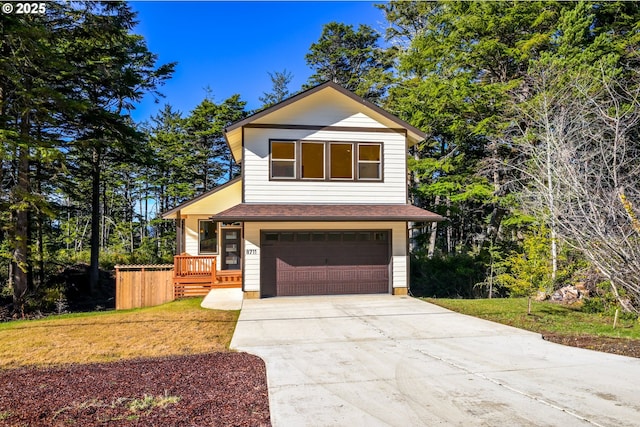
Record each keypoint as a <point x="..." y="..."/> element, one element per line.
<point x="248" y="212"/>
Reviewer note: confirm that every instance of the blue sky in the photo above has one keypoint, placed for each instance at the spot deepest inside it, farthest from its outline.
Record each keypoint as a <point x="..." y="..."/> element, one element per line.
<point x="230" y="46"/>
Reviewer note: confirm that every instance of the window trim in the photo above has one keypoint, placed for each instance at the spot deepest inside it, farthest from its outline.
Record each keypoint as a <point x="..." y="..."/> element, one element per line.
<point x="324" y="160"/>
<point x="294" y="161"/>
<point x="217" y="225"/>
<point x="355" y="154"/>
<point x="369" y="162"/>
<point x="353" y="148"/>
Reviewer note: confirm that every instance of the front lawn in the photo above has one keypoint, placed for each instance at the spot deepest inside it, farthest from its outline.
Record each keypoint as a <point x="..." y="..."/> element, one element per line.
<point x="545" y="317"/>
<point x="178" y="328"/>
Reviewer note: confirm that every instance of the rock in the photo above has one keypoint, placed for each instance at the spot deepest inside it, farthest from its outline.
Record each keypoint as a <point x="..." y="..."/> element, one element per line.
<point x="567" y="295"/>
<point x="541" y="296"/>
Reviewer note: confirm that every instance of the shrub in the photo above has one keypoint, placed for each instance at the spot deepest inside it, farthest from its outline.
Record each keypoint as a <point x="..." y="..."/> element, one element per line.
<point x="446" y="276"/>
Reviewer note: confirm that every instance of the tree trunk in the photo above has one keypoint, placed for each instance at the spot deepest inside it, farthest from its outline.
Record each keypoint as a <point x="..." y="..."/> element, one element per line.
<point x="449" y="228"/>
<point x="94" y="267"/>
<point x="21" y="231"/>
<point x="552" y="203"/>
<point x="434" y="234"/>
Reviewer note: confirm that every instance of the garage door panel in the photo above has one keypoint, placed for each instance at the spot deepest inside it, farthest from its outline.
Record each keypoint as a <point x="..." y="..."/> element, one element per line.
<point x="328" y="280"/>
<point x="325" y="267"/>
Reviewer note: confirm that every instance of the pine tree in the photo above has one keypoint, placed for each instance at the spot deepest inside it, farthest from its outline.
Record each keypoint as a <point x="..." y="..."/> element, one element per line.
<point x="353" y="59"/>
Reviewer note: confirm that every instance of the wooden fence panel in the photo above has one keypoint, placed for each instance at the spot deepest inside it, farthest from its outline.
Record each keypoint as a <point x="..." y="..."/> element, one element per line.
<point x="143" y="285"/>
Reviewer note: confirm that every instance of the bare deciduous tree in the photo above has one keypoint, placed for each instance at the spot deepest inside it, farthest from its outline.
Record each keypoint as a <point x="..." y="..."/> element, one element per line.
<point x="582" y="161"/>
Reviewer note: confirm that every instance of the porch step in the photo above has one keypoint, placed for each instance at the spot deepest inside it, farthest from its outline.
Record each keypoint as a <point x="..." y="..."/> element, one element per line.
<point x="191" y="286"/>
<point x="191" y="290"/>
<point x="228" y="279"/>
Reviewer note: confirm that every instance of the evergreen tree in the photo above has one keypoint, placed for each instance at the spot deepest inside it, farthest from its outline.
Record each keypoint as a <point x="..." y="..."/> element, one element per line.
<point x="205" y="127"/>
<point x="460" y="63"/>
<point x="67" y="79"/>
<point x="353" y="59"/>
<point x="280" y="89"/>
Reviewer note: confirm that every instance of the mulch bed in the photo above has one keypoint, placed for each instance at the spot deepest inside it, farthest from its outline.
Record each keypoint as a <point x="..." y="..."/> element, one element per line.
<point x="217" y="389"/>
<point x="621" y="346"/>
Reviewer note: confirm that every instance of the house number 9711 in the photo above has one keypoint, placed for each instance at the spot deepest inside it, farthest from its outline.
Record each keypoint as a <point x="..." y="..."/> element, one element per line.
<point x="252" y="252"/>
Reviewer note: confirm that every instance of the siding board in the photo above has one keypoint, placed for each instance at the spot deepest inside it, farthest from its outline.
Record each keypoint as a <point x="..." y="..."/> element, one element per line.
<point x="259" y="189"/>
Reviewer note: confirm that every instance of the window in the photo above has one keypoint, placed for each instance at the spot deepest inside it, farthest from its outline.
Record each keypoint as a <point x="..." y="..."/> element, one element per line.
<point x="208" y="236"/>
<point x="271" y="237"/>
<point x="286" y="237"/>
<point x="315" y="160"/>
<point x="312" y="160"/>
<point x="341" y="161"/>
<point x="283" y="160"/>
<point x="369" y="163"/>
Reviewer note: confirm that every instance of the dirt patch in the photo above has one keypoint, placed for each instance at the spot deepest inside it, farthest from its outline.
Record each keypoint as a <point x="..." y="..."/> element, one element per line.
<point x="214" y="389"/>
<point x="622" y="346"/>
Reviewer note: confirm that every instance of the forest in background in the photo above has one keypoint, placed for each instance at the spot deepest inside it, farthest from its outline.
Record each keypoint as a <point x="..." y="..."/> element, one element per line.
<point x="532" y="111"/>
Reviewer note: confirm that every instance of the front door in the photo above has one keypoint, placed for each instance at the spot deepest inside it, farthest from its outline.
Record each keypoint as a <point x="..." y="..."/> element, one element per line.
<point x="231" y="248"/>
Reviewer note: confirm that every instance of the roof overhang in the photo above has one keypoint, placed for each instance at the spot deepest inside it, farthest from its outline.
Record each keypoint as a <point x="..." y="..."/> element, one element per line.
<point x="225" y="195"/>
<point x="261" y="212"/>
<point x="234" y="132"/>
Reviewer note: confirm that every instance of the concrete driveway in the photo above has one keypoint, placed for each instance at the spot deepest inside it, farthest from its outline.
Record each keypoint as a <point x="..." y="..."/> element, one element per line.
<point x="384" y="360"/>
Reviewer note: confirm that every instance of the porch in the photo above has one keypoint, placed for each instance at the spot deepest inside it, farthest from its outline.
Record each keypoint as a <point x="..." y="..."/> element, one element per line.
<point x="197" y="275"/>
<point x="149" y="285"/>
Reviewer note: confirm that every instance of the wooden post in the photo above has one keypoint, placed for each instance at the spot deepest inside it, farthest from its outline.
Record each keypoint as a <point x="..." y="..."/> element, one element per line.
<point x="118" y="288"/>
<point x="179" y="232"/>
<point x="214" y="274"/>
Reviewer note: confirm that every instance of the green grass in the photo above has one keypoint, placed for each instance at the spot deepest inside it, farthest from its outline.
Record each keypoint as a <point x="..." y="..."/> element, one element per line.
<point x="545" y="317"/>
<point x="177" y="328"/>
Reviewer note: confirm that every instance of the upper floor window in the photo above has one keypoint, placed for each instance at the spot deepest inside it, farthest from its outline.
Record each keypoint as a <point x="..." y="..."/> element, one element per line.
<point x="314" y="160"/>
<point x="312" y="165"/>
<point x="341" y="160"/>
<point x="283" y="160"/>
<point x="369" y="161"/>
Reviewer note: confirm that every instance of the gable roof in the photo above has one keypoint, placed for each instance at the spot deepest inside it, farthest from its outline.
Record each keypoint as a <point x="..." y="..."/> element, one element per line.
<point x="201" y="199"/>
<point x="234" y="134"/>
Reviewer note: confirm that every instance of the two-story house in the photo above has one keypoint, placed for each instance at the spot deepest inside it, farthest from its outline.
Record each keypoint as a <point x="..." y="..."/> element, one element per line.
<point x="321" y="206"/>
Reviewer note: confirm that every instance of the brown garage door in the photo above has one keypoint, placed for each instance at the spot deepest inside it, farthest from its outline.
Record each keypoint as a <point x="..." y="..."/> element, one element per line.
<point x="324" y="262"/>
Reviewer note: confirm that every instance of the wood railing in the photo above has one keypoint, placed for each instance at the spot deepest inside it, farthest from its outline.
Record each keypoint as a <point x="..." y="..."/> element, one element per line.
<point x="149" y="285"/>
<point x="197" y="275"/>
<point x="188" y="265"/>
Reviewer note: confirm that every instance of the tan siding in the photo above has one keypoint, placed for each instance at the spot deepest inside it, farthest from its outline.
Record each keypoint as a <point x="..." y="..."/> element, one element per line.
<point x="259" y="189"/>
<point x="398" y="248"/>
<point x="326" y="108"/>
<point x="216" y="202"/>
